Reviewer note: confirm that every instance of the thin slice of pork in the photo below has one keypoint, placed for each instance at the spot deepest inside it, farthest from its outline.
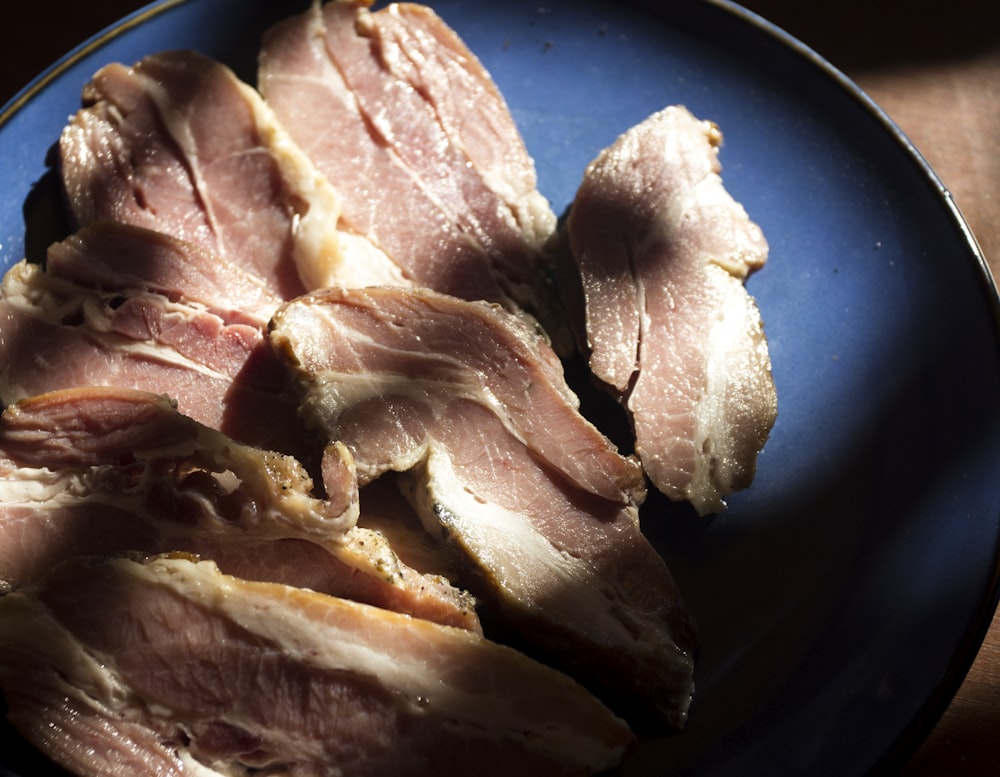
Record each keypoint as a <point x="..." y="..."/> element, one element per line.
<point x="658" y="255"/>
<point x="120" y="258"/>
<point x="396" y="110"/>
<point x="61" y="335"/>
<point x="178" y="144"/>
<point x="103" y="471"/>
<point x="471" y="404"/>
<point x="170" y="667"/>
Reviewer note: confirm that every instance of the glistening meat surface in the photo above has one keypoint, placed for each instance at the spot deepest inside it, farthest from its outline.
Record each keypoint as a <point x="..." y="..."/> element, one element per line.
<point x="658" y="253"/>
<point x="471" y="404"/>
<point x="174" y="668"/>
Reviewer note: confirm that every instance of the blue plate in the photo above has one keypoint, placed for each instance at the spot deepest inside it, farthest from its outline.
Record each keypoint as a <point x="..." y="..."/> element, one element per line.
<point x="843" y="596"/>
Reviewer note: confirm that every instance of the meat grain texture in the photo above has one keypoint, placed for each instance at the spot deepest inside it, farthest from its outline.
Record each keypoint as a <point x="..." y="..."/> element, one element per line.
<point x="472" y="406"/>
<point x="656" y="257"/>
<point x="367" y="95"/>
<point x="291" y="479"/>
<point x="271" y="679"/>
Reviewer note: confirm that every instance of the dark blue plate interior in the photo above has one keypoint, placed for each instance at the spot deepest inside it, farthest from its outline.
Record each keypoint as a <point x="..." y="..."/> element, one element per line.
<point x="842" y="597"/>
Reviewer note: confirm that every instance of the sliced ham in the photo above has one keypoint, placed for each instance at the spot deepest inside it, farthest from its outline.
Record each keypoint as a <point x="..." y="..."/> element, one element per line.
<point x="61" y="335"/>
<point x="659" y="253"/>
<point x="104" y="471"/>
<point x="122" y="259"/>
<point x="137" y="446"/>
<point x="177" y="144"/>
<point x="98" y="471"/>
<point x="173" y="668"/>
<point x="471" y="404"/>
<point x="363" y="349"/>
<point x="396" y="110"/>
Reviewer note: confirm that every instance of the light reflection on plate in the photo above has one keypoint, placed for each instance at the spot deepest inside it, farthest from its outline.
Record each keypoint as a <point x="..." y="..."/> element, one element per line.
<point x="843" y="596"/>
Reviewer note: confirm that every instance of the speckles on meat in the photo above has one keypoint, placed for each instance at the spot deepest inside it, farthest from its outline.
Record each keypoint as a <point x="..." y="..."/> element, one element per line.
<point x="471" y="406"/>
<point x="658" y="253"/>
<point x="178" y="144"/>
<point x="101" y="471"/>
<point x="193" y="667"/>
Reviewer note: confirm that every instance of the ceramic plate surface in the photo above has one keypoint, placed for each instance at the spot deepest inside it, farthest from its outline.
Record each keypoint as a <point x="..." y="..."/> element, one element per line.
<point x="843" y="596"/>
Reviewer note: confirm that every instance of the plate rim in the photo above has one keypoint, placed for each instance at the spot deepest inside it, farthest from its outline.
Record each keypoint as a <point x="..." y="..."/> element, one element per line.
<point x="931" y="712"/>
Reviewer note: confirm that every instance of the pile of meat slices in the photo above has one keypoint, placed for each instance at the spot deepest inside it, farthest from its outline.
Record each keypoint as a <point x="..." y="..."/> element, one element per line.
<point x="291" y="479"/>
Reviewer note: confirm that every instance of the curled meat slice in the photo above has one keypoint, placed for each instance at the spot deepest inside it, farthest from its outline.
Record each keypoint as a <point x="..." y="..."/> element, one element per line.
<point x="140" y="474"/>
<point x="176" y="143"/>
<point x="188" y="670"/>
<point x="394" y="108"/>
<point x="136" y="443"/>
<point x="658" y="253"/>
<point x="471" y="405"/>
<point x="101" y="471"/>
<point x="366" y="348"/>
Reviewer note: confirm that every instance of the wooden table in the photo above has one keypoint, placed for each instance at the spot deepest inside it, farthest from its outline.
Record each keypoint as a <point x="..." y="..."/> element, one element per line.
<point x="933" y="65"/>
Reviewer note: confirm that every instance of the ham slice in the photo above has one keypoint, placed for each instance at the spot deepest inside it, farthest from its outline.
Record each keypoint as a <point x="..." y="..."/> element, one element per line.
<point x="471" y="404"/>
<point x="393" y="107"/>
<point x="177" y="144"/>
<point x="103" y="471"/>
<point x="167" y="667"/>
<point x="658" y="256"/>
<point x="61" y="335"/>
<point x="120" y="258"/>
<point x="135" y="443"/>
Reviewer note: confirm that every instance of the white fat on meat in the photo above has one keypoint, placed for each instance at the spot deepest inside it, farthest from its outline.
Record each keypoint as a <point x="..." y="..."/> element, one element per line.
<point x="363" y="346"/>
<point x="178" y="144"/>
<point x="58" y="334"/>
<point x="471" y="406"/>
<point x="658" y="252"/>
<point x="393" y="107"/>
<point x="122" y="258"/>
<point x="171" y="667"/>
<point x="100" y="471"/>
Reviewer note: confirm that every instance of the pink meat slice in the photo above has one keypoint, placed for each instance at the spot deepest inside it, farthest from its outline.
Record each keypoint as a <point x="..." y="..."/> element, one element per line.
<point x="471" y="405"/>
<point x="659" y="256"/>
<point x="103" y="471"/>
<point x="61" y="335"/>
<point x="121" y="258"/>
<point x="396" y="110"/>
<point x="191" y="671"/>
<point x="363" y="347"/>
<point x="177" y="144"/>
<point x="130" y="453"/>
